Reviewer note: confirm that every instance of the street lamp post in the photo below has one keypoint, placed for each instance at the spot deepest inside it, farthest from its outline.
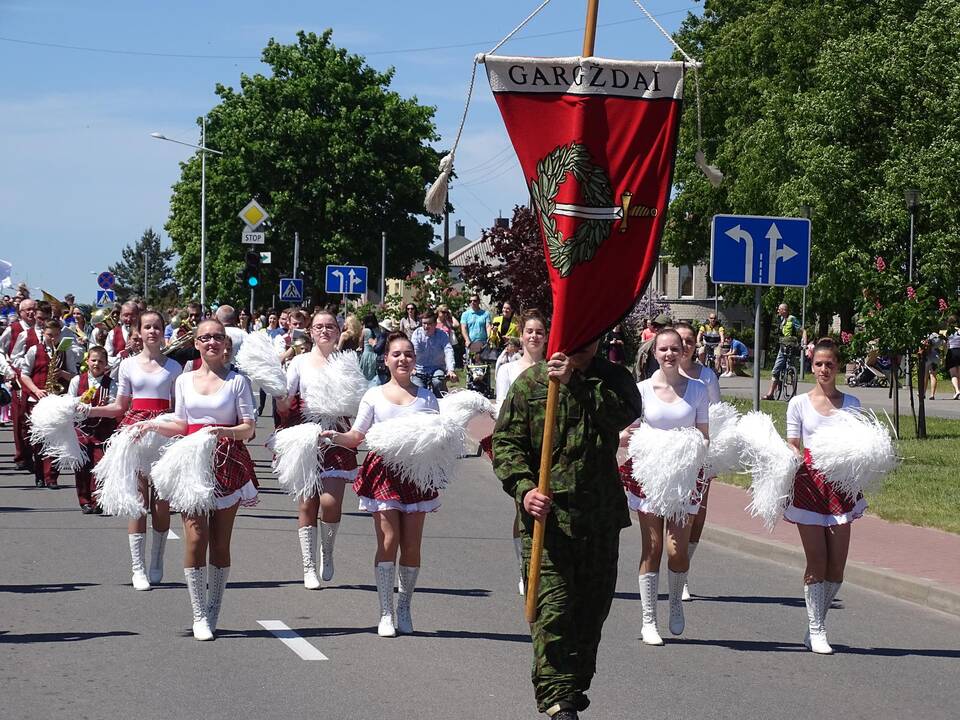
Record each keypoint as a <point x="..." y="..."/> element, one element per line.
<point x="911" y="198"/>
<point x="202" y="147"/>
<point x="807" y="212"/>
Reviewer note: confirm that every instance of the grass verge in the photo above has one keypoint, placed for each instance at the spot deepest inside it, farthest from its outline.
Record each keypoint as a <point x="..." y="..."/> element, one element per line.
<point x="924" y="490"/>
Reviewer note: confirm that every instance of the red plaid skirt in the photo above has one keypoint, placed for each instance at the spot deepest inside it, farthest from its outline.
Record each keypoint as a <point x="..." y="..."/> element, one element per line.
<point x="634" y="488"/>
<point x="487" y="446"/>
<point x="338" y="459"/>
<point x="294" y="415"/>
<point x="233" y="469"/>
<point x="134" y="416"/>
<point x="378" y="482"/>
<point x="813" y="493"/>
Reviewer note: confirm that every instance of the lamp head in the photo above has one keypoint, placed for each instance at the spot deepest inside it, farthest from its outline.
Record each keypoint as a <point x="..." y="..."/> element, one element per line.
<point x="911" y="197"/>
<point x="158" y="136"/>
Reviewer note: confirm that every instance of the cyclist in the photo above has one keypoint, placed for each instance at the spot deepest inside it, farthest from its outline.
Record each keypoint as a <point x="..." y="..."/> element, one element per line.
<point x="434" y="355"/>
<point x="709" y="337"/>
<point x="789" y="337"/>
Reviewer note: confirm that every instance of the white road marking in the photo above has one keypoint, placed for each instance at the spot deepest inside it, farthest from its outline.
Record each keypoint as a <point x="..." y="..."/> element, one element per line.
<point x="288" y="637"/>
<point x="172" y="535"/>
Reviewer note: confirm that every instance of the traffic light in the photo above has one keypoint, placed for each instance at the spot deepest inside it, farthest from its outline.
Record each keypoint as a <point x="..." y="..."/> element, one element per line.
<point x="251" y="273"/>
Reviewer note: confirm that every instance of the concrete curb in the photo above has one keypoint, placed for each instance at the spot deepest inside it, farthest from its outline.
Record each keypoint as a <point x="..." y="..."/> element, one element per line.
<point x="904" y="587"/>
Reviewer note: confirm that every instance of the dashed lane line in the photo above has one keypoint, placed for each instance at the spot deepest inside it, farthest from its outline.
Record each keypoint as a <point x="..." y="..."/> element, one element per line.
<point x="288" y="637"/>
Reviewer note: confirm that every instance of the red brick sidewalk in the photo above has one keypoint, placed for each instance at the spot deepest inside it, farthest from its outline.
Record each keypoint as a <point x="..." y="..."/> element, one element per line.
<point x="913" y="563"/>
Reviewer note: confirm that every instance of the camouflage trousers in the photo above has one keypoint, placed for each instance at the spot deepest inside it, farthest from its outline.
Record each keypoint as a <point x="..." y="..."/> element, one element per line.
<point x="578" y="577"/>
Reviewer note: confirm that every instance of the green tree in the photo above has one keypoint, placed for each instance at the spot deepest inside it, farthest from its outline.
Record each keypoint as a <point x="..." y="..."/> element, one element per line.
<point x="129" y="271"/>
<point x="835" y="104"/>
<point x="328" y="150"/>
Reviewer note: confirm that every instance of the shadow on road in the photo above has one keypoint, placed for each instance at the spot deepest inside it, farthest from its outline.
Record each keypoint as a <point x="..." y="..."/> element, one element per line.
<point x="8" y="639"/>
<point x="463" y="592"/>
<point x="45" y="587"/>
<point x="739" y="599"/>
<point x="15" y="509"/>
<point x="769" y="646"/>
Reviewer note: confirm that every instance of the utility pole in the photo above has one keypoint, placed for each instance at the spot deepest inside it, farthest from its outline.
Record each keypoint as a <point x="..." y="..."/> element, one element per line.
<point x="446" y="237"/>
<point x="146" y="253"/>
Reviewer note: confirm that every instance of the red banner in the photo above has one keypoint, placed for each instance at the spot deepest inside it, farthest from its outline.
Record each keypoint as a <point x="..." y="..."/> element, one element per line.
<point x="596" y="140"/>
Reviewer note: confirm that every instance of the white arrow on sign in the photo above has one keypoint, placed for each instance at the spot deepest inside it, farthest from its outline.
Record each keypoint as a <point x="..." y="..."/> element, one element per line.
<point x="776" y="254"/>
<point x="740" y="235"/>
<point x="354" y="280"/>
<point x="338" y="274"/>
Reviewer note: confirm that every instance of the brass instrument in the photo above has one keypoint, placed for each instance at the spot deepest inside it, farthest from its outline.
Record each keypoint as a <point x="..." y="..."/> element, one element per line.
<point x="104" y="316"/>
<point x="301" y="345"/>
<point x="183" y="339"/>
<point x="55" y="384"/>
<point x="56" y="306"/>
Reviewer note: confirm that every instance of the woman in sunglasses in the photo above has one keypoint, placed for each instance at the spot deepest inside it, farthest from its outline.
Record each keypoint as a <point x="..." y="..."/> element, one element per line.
<point x="410" y="321"/>
<point x="217" y="397"/>
<point x="339" y="463"/>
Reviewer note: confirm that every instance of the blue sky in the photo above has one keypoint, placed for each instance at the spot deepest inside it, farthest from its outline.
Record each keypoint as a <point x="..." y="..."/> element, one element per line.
<point x="81" y="177"/>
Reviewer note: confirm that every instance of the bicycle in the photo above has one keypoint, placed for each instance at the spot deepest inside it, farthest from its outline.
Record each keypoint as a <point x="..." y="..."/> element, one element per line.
<point x="787" y="387"/>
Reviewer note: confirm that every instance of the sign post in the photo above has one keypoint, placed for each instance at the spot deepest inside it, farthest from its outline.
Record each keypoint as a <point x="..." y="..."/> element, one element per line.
<point x="739" y="256"/>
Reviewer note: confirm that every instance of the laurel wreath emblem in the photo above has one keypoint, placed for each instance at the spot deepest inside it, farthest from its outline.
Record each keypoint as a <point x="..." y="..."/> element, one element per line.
<point x="552" y="171"/>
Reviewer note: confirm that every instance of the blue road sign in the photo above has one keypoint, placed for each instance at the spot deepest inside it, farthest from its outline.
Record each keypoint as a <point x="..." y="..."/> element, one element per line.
<point x="106" y="297"/>
<point x="106" y="280"/>
<point x="291" y="290"/>
<point x="756" y="250"/>
<point x="346" y="279"/>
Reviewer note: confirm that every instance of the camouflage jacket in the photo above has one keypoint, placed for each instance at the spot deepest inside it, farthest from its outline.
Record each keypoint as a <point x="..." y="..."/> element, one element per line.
<point x="594" y="406"/>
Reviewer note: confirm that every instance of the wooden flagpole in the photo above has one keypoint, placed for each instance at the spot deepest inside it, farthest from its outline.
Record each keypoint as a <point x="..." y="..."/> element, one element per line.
<point x="553" y="397"/>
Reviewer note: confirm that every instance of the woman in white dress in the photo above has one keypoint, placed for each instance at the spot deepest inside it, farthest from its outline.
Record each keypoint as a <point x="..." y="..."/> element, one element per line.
<point x="533" y="341"/>
<point x="145" y="389"/>
<point x="671" y="400"/>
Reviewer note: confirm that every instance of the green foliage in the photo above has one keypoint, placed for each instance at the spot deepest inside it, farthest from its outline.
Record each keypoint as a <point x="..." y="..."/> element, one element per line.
<point x="433" y="287"/>
<point x="161" y="287"/>
<point x="328" y="150"/>
<point x="835" y="104"/>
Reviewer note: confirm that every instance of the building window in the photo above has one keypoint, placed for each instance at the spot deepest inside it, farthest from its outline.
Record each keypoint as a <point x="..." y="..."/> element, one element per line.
<point x="686" y="281"/>
<point x="663" y="271"/>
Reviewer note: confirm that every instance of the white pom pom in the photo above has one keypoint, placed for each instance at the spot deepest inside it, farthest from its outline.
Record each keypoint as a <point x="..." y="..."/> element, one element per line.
<point x="462" y="406"/>
<point x="667" y="464"/>
<point x="52" y="425"/>
<point x="723" y="455"/>
<point x="335" y="390"/>
<point x="151" y="445"/>
<point x="424" y="447"/>
<point x="296" y="460"/>
<point x="773" y="465"/>
<point x="184" y="473"/>
<point x="436" y="200"/>
<point x="118" y="492"/>
<point x="854" y="451"/>
<point x="258" y="360"/>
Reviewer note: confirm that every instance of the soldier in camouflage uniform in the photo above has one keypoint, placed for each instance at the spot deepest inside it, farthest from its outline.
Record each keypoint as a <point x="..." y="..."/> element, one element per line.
<point x="584" y="516"/>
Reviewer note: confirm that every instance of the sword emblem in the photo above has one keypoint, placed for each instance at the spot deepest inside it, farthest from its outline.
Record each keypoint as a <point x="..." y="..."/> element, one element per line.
<point x="622" y="212"/>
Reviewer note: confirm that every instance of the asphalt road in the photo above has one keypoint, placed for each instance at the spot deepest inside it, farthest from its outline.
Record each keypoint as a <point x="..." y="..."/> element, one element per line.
<point x="77" y="640"/>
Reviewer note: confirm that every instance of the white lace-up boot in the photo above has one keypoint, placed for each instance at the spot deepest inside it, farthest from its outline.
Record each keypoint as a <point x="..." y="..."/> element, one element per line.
<point x="156" y="556"/>
<point x="691" y="549"/>
<point x="649" y="588"/>
<point x="518" y="549"/>
<point x="386" y="575"/>
<point x="216" y="586"/>
<point x="308" y="550"/>
<point x="138" y="544"/>
<point x="676" y="581"/>
<point x="328" y="536"/>
<point x="815" y="595"/>
<point x="408" y="582"/>
<point x="197" y="587"/>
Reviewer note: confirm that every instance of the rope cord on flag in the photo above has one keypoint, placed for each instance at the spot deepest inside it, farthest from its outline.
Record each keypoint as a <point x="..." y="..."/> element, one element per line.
<point x="436" y="200"/>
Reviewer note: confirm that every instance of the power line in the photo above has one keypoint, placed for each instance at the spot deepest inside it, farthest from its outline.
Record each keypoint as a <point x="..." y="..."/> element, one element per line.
<point x="494" y="159"/>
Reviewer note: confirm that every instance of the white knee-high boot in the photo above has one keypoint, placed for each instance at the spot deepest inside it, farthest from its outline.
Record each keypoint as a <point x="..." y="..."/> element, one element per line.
<point x="408" y="582"/>
<point x="138" y="546"/>
<point x="676" y="581"/>
<point x="328" y="536"/>
<point x="197" y="587"/>
<point x="518" y="549"/>
<point x="815" y="595"/>
<point x="691" y="549"/>
<point x="386" y="573"/>
<point x="157" y="546"/>
<point x="216" y="586"/>
<point x="649" y="588"/>
<point x="308" y="552"/>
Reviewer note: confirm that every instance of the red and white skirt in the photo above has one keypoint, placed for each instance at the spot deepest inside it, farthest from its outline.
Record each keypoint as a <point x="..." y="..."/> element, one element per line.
<point x="233" y="471"/>
<point x="637" y="499"/>
<point x="817" y="502"/>
<point x="379" y="488"/>
<point x="338" y="462"/>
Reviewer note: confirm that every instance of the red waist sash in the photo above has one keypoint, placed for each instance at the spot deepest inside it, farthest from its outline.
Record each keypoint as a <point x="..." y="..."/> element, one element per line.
<point x="191" y="429"/>
<point x="149" y="404"/>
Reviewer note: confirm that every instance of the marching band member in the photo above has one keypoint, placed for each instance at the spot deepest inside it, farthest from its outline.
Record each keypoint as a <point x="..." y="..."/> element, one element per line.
<point x="95" y="388"/>
<point x="822" y="514"/>
<point x="398" y="505"/>
<point x="23" y="326"/>
<point x="218" y="398"/>
<point x="670" y="401"/>
<point x="144" y="391"/>
<point x="46" y="370"/>
<point x="533" y="340"/>
<point x="694" y="369"/>
<point x="339" y="463"/>
<point x="119" y="337"/>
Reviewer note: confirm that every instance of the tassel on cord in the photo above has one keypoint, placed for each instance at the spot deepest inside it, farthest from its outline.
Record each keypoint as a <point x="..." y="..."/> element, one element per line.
<point x="462" y="406"/>
<point x="435" y="201"/>
<point x="773" y="465"/>
<point x="335" y="390"/>
<point x="723" y="455"/>
<point x="296" y="459"/>
<point x="53" y="424"/>
<point x="423" y="447"/>
<point x="854" y="451"/>
<point x="258" y="360"/>
<point x="666" y="464"/>
<point x="184" y="473"/>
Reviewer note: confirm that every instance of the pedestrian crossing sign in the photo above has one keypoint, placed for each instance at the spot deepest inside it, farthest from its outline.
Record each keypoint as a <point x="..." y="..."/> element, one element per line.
<point x="106" y="297"/>
<point x="291" y="290"/>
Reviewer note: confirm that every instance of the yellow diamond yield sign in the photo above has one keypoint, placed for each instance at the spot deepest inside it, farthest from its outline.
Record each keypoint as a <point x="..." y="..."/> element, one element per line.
<point x="253" y="215"/>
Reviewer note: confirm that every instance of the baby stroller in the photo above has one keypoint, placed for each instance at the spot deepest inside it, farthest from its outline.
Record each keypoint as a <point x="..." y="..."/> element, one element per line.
<point x="478" y="364"/>
<point x="865" y="375"/>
